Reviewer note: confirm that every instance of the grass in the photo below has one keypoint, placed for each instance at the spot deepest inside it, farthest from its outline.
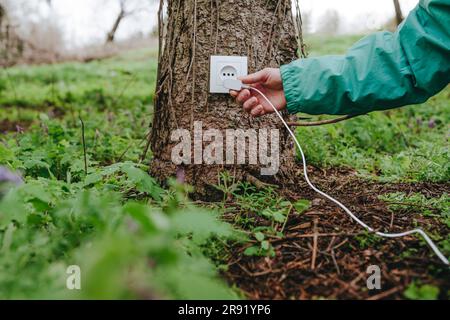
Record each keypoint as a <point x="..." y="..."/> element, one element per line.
<point x="319" y="45"/>
<point x="115" y="221"/>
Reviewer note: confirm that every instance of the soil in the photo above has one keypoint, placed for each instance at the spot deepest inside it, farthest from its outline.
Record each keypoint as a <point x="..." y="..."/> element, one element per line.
<point x="322" y="256"/>
<point x="13" y="126"/>
<point x="52" y="111"/>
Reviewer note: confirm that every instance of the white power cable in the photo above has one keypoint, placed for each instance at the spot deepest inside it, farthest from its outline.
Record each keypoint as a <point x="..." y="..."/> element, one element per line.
<point x="233" y="86"/>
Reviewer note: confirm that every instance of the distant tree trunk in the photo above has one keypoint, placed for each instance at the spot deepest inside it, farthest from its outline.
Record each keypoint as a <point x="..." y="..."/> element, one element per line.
<point x="11" y="46"/>
<point x="122" y="14"/>
<point x="264" y="31"/>
<point x="398" y="12"/>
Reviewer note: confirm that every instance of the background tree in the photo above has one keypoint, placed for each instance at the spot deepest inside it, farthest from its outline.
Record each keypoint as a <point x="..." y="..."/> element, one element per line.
<point x="11" y="46"/>
<point x="263" y="30"/>
<point x="398" y="12"/>
<point x="122" y="14"/>
<point x="127" y="8"/>
<point x="306" y="22"/>
<point x="329" y="22"/>
<point x="30" y="31"/>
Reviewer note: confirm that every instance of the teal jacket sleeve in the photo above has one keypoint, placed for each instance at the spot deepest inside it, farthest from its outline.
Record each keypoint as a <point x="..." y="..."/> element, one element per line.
<point x="382" y="71"/>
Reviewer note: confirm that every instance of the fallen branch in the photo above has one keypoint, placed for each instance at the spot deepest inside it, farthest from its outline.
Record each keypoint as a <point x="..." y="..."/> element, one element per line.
<point x="258" y="183"/>
<point x="385" y="294"/>
<point x="322" y="122"/>
<point x="315" y="238"/>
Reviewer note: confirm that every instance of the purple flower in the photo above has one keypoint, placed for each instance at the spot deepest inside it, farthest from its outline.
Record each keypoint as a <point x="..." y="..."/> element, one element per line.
<point x="181" y="175"/>
<point x="432" y="124"/>
<point x="9" y="177"/>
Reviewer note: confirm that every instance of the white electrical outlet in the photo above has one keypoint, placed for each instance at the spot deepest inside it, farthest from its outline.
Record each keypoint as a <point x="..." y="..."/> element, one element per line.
<point x="223" y="68"/>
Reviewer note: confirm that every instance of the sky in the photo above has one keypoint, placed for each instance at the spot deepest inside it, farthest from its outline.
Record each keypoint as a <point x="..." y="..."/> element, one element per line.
<point x="88" y="21"/>
<point x="356" y="15"/>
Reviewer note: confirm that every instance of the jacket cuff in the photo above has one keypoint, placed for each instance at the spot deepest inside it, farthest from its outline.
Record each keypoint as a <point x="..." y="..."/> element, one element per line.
<point x="289" y="76"/>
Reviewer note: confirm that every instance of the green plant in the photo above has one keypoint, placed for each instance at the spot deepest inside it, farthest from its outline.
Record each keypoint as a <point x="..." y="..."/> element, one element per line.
<point x="416" y="291"/>
<point x="133" y="239"/>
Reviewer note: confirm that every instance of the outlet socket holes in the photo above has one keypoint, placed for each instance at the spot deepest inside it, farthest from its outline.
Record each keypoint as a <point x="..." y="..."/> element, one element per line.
<point x="228" y="72"/>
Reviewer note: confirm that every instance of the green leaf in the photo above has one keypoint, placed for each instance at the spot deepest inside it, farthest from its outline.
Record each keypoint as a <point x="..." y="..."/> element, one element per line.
<point x="302" y="205"/>
<point x="143" y="181"/>
<point x="252" y="251"/>
<point x="424" y="292"/>
<point x="36" y="191"/>
<point x="259" y="236"/>
<point x="93" y="179"/>
<point x="279" y="217"/>
<point x="8" y="238"/>
<point x="150" y="221"/>
<point x="12" y="208"/>
<point x="141" y="214"/>
<point x="201" y="224"/>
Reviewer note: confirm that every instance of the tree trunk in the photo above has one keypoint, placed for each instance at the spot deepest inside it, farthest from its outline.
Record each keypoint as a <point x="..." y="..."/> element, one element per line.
<point x="398" y="12"/>
<point x="11" y="46"/>
<point x="265" y="31"/>
<point x="112" y="34"/>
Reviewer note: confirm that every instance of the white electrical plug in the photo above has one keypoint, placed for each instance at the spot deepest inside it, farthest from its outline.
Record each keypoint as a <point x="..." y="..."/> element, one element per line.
<point x="233" y="84"/>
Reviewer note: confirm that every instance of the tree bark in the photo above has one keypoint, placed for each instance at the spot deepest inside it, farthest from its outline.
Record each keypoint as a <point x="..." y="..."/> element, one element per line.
<point x="398" y="12"/>
<point x="265" y="31"/>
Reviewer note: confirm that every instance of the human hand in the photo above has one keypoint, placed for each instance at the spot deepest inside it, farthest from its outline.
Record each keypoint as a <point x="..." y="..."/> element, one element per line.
<point x="269" y="82"/>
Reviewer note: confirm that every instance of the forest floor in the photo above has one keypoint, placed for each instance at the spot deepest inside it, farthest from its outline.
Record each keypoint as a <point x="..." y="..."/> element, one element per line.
<point x="323" y="253"/>
<point x="391" y="168"/>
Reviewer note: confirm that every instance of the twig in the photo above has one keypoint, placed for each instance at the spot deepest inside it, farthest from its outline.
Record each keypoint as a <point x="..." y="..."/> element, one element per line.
<point x="406" y="204"/>
<point x="147" y="147"/>
<point x="217" y="26"/>
<point x="299" y="24"/>
<point x="194" y="46"/>
<point x="315" y="238"/>
<point x="333" y="257"/>
<point x="320" y="235"/>
<point x="160" y="37"/>
<point x="322" y="122"/>
<point x="287" y="218"/>
<point x="270" y="39"/>
<point x="84" y="146"/>
<point x="385" y="294"/>
<point x="391" y="225"/>
<point x="258" y="274"/>
<point x="130" y="145"/>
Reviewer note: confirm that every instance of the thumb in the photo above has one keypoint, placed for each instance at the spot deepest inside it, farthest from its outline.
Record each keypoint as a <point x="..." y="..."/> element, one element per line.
<point x="260" y="76"/>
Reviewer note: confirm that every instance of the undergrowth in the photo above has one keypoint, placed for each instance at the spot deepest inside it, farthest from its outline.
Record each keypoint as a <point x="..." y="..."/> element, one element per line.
<point x="130" y="237"/>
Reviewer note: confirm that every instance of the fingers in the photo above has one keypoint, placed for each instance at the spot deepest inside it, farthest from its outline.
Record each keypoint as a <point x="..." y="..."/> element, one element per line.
<point x="250" y="104"/>
<point x="243" y="96"/>
<point x="258" y="111"/>
<point x="260" y="76"/>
